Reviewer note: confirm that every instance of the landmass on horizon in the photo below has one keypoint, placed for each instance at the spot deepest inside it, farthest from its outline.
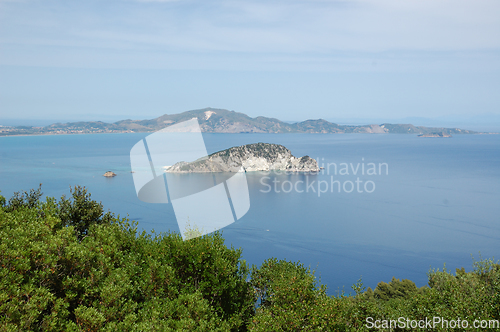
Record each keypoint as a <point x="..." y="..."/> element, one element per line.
<point x="440" y="134"/>
<point x="214" y="120"/>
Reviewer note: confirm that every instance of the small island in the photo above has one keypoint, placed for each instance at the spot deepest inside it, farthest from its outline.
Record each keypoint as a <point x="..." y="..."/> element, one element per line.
<point x="109" y="174"/>
<point x="249" y="158"/>
<point x="440" y="134"/>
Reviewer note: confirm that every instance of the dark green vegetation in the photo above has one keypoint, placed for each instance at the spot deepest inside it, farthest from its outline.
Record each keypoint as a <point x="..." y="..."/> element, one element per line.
<point x="252" y="157"/>
<point x="67" y="265"/>
<point x="213" y="120"/>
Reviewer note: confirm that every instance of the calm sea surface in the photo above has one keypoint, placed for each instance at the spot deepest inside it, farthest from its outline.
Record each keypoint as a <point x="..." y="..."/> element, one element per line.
<point x="419" y="203"/>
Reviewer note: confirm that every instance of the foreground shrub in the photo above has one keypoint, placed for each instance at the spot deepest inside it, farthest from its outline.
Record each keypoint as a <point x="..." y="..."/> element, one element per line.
<point x="290" y="300"/>
<point x="61" y="275"/>
<point x="469" y="296"/>
<point x="66" y="265"/>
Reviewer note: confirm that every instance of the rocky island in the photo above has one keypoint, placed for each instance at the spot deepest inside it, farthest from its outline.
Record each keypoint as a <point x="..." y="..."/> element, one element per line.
<point x="109" y="174"/>
<point x="249" y="158"/>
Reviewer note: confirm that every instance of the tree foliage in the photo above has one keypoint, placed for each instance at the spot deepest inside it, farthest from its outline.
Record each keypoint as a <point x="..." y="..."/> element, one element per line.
<point x="67" y="265"/>
<point x="290" y="299"/>
<point x="80" y="211"/>
<point x="395" y="289"/>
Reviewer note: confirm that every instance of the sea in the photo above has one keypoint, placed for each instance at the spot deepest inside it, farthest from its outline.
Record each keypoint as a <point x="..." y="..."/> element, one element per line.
<point x="383" y="206"/>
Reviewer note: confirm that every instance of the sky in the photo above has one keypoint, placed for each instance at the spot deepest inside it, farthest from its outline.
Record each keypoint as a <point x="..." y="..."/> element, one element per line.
<point x="345" y="61"/>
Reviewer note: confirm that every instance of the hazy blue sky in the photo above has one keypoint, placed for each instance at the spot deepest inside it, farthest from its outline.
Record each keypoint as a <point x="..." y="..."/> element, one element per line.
<point x="294" y="59"/>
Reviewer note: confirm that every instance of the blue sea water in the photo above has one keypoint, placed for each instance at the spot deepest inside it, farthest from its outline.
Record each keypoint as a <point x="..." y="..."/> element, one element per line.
<point x="433" y="200"/>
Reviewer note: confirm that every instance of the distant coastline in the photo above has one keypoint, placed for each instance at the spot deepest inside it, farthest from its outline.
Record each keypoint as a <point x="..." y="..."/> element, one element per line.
<point x="213" y="120"/>
<point x="443" y="135"/>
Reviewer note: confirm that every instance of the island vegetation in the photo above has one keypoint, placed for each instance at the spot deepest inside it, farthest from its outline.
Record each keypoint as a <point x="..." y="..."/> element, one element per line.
<point x="248" y="158"/>
<point x="68" y="265"/>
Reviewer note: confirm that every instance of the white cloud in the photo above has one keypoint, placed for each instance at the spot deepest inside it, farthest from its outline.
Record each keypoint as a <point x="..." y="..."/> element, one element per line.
<point x="292" y="30"/>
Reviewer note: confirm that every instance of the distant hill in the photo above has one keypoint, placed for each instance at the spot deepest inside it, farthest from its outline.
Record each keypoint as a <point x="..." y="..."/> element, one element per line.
<point x="214" y="120"/>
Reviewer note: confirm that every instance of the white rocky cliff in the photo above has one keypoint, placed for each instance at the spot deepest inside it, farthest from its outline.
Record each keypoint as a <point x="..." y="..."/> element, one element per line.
<point x="252" y="157"/>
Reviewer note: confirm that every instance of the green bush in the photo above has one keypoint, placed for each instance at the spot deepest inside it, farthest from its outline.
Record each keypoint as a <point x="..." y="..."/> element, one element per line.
<point x="66" y="265"/>
<point x="290" y="300"/>
<point x="395" y="289"/>
<point x="469" y="296"/>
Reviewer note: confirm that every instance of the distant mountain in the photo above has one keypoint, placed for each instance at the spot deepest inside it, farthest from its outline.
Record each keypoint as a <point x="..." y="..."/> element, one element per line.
<point x="214" y="120"/>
